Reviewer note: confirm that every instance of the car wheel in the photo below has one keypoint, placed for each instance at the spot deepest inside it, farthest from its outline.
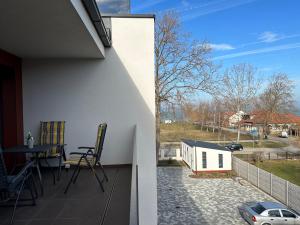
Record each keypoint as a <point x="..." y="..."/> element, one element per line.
<point x="266" y="224"/>
<point x="240" y="149"/>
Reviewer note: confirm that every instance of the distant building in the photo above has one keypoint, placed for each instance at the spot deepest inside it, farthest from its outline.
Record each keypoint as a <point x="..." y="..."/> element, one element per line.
<point x="205" y="157"/>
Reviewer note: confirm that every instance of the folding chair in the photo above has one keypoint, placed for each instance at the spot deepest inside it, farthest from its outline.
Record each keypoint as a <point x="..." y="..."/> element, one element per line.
<point x="11" y="186"/>
<point x="53" y="133"/>
<point x="90" y="159"/>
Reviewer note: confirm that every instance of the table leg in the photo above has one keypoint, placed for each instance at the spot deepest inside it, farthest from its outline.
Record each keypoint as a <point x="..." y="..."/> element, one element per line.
<point x="39" y="174"/>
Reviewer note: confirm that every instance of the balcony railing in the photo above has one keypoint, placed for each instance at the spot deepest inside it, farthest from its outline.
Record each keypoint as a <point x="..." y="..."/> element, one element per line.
<point x="103" y="31"/>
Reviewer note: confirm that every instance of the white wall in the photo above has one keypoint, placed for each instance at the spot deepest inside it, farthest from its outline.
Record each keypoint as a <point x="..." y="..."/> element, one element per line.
<point x="118" y="90"/>
<point x="194" y="160"/>
<point x="212" y="158"/>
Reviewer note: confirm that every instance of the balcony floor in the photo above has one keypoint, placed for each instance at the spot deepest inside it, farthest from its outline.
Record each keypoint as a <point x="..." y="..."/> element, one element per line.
<point x="84" y="204"/>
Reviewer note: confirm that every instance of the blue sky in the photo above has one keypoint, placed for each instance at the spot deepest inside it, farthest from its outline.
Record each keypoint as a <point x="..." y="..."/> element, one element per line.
<point x="265" y="33"/>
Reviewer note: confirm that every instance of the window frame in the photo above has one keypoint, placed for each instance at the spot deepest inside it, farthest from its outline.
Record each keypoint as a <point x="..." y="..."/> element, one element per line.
<point x="204" y="160"/>
<point x="295" y="216"/>
<point x="280" y="215"/>
<point x="221" y="161"/>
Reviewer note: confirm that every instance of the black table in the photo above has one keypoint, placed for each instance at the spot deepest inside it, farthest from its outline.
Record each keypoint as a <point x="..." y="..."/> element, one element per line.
<point x="35" y="151"/>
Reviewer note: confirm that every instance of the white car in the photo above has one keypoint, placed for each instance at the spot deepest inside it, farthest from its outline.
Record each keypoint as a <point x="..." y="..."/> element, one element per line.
<point x="268" y="213"/>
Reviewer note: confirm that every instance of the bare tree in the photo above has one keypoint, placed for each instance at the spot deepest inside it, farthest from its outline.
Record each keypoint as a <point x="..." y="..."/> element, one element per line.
<point x="238" y="89"/>
<point x="182" y="66"/>
<point x="278" y="97"/>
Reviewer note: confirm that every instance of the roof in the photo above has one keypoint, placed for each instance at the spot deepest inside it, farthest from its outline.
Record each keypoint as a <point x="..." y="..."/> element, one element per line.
<point x="128" y="15"/>
<point x="204" y="144"/>
<point x="258" y="117"/>
<point x="272" y="205"/>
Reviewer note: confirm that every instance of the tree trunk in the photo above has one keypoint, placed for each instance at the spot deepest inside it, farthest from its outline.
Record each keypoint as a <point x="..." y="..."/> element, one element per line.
<point x="238" y="133"/>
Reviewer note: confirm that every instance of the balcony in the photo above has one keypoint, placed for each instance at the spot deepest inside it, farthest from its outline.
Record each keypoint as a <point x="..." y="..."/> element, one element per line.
<point x="84" y="204"/>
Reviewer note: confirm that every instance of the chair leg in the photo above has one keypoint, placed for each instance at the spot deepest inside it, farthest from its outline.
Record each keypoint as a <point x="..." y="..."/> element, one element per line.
<point x="17" y="199"/>
<point x="95" y="174"/>
<point x="103" y="171"/>
<point x="52" y="171"/>
<point x="59" y="167"/>
<point x="34" y="186"/>
<point x="70" y="181"/>
<point x="29" y="185"/>
<point x="75" y="178"/>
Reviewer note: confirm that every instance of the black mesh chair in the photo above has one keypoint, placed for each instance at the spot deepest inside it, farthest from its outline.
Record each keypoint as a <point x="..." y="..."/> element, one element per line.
<point x="89" y="159"/>
<point x="11" y="186"/>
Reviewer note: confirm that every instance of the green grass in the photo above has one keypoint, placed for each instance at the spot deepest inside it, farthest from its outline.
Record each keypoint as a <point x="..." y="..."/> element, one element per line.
<point x="176" y="131"/>
<point x="286" y="169"/>
<point x="170" y="162"/>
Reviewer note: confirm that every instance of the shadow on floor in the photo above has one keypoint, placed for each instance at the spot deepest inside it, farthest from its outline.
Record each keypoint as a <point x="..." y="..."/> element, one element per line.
<point x="84" y="204"/>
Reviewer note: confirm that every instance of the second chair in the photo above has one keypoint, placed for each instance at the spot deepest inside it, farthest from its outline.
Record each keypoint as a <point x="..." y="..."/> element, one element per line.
<point x="89" y="159"/>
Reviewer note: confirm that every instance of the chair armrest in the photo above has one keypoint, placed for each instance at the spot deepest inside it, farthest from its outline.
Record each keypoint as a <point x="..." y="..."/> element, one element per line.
<point x="23" y="171"/>
<point x="85" y="147"/>
<point x="82" y="153"/>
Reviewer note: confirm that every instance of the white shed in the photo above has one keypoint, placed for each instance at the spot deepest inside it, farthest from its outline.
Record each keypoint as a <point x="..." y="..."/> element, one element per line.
<point x="203" y="156"/>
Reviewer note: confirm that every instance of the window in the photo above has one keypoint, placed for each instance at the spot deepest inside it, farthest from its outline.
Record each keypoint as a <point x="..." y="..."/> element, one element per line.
<point x="204" y="160"/>
<point x="220" y="160"/>
<point x="286" y="213"/>
<point x="274" y="213"/>
<point x="258" y="208"/>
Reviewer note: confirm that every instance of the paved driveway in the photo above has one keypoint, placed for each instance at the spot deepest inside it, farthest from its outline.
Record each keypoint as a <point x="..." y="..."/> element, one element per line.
<point x="189" y="201"/>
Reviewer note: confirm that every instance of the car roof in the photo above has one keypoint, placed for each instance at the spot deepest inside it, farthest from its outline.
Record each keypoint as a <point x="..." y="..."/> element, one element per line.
<point x="272" y="205"/>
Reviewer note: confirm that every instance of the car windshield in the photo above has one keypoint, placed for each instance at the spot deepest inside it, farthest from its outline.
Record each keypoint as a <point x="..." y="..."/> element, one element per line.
<point x="258" y="208"/>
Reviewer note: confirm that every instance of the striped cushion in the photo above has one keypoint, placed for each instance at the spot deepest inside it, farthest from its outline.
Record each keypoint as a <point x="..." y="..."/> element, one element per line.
<point x="74" y="159"/>
<point x="52" y="132"/>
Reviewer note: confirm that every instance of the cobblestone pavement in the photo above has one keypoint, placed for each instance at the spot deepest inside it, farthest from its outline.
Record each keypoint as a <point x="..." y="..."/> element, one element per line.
<point x="188" y="201"/>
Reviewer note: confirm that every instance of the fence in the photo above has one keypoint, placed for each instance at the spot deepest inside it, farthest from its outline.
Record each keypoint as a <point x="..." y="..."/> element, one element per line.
<point x="170" y="153"/>
<point x="268" y="156"/>
<point x="281" y="189"/>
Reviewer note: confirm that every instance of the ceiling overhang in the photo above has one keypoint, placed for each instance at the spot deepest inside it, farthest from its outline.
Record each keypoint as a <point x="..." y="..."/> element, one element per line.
<point x="48" y="29"/>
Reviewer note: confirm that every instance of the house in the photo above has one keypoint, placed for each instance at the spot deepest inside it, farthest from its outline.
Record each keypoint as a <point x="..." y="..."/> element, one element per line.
<point x="232" y="119"/>
<point x="203" y="156"/>
<point x="276" y="121"/>
<point x="63" y="60"/>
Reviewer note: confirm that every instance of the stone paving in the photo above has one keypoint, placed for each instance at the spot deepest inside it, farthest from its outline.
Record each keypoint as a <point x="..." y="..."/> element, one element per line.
<point x="189" y="201"/>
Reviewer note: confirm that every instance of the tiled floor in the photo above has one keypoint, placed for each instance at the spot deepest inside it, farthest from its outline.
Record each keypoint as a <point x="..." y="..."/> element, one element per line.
<point x="84" y="204"/>
<point x="188" y="201"/>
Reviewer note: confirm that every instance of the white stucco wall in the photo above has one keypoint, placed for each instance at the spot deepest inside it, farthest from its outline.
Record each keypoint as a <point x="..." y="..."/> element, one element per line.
<point x="118" y="90"/>
<point x="193" y="157"/>
<point x="212" y="158"/>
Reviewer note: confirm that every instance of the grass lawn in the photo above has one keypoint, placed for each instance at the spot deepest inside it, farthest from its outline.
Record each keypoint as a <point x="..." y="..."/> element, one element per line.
<point x="170" y="163"/>
<point x="286" y="169"/>
<point x="176" y="131"/>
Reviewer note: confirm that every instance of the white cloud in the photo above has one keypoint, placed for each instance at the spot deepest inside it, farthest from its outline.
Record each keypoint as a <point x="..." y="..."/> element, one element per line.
<point x="259" y="51"/>
<point x="146" y="4"/>
<point x="221" y="47"/>
<point x="198" y="10"/>
<point x="269" y="37"/>
<point x="185" y="3"/>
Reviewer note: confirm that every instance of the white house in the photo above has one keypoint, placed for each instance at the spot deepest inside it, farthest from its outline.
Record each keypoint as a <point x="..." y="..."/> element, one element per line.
<point x="205" y="157"/>
<point x="67" y="62"/>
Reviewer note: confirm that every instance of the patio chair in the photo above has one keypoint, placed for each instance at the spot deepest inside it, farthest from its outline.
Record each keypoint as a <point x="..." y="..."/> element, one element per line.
<point x="53" y="133"/>
<point x="89" y="159"/>
<point x="11" y="186"/>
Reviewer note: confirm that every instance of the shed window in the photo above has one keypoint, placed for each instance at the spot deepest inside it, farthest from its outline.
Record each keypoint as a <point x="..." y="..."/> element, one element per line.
<point x="204" y="160"/>
<point x="220" y="160"/>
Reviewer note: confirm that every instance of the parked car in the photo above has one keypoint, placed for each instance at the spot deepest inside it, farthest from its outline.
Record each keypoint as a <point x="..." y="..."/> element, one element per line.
<point x="284" y="134"/>
<point x="234" y="147"/>
<point x="254" y="133"/>
<point x="268" y="213"/>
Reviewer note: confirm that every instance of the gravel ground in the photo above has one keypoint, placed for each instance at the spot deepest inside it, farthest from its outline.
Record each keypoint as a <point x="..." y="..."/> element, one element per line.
<point x="190" y="201"/>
